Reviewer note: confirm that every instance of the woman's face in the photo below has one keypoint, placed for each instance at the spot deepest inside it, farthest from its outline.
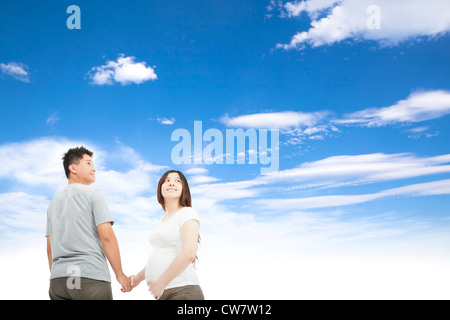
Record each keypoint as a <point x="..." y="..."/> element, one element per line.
<point x="172" y="186"/>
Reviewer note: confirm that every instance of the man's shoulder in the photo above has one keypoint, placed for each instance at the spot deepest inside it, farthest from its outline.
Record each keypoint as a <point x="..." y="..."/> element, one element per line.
<point x="84" y="187"/>
<point x="76" y="189"/>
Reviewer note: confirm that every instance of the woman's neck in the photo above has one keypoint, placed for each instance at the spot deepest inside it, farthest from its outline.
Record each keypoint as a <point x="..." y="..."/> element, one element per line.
<point x="173" y="206"/>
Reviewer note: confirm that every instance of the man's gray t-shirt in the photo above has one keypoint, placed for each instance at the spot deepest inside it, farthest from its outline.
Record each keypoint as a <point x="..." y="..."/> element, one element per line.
<point x="72" y="220"/>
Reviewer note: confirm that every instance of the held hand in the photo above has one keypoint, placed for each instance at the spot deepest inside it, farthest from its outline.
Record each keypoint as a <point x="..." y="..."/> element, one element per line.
<point x="156" y="288"/>
<point x="134" y="281"/>
<point x="125" y="282"/>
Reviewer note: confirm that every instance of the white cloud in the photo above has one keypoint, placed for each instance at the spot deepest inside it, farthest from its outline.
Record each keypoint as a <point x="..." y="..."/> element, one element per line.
<point x="201" y="179"/>
<point x="52" y="119"/>
<point x="274" y="120"/>
<point x="390" y="23"/>
<point x="227" y="190"/>
<point x="124" y="71"/>
<point x="419" y="132"/>
<point x="24" y="211"/>
<point x="297" y="136"/>
<point x="35" y="163"/>
<point x="299" y="126"/>
<point x="356" y="169"/>
<point x="331" y="172"/>
<point x="164" y="120"/>
<point x="16" y="70"/>
<point x="313" y="8"/>
<point x="195" y="171"/>
<point x="419" y="106"/>
<point x="289" y="238"/>
<point x="38" y="163"/>
<point x="423" y="189"/>
<point x="198" y="176"/>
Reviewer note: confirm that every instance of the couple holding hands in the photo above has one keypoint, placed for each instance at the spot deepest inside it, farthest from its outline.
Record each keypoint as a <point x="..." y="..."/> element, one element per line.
<point x="80" y="239"/>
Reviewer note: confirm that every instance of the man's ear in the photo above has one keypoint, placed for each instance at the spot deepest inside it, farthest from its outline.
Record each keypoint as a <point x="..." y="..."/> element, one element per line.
<point x="73" y="168"/>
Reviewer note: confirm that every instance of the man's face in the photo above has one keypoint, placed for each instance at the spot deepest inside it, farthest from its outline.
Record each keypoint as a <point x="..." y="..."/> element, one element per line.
<point x="84" y="171"/>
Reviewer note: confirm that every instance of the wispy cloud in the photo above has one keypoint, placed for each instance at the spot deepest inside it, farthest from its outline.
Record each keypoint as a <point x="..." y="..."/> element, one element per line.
<point x="137" y="185"/>
<point x="297" y="126"/>
<point x="22" y="210"/>
<point x="365" y="168"/>
<point x="52" y="119"/>
<point x="128" y="189"/>
<point x="274" y="120"/>
<point x="440" y="187"/>
<point x="337" y="20"/>
<point x="221" y="191"/>
<point x="199" y="176"/>
<point x="419" y="106"/>
<point x="196" y="171"/>
<point x="418" y="132"/>
<point x="18" y="163"/>
<point x="164" y="120"/>
<point x="16" y="70"/>
<point x="124" y="71"/>
<point x="329" y="173"/>
<point x="300" y="126"/>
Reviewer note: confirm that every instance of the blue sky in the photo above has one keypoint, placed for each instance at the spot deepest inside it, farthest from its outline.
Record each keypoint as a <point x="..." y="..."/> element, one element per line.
<point x="362" y="114"/>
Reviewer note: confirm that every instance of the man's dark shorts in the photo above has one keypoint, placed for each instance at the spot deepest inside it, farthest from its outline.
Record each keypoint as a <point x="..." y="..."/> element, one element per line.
<point x="71" y="288"/>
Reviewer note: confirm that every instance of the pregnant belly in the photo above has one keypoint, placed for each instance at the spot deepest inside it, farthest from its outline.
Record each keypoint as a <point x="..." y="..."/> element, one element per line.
<point x="158" y="263"/>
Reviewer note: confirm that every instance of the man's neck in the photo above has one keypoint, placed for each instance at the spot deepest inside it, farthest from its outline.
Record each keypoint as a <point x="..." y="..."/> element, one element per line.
<point x="72" y="180"/>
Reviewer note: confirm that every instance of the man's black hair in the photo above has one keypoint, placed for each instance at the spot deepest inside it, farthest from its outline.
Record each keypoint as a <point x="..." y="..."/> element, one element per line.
<point x="74" y="155"/>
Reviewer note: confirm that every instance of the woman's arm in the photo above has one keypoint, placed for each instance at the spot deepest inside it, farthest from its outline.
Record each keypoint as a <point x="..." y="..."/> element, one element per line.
<point x="189" y="238"/>
<point x="136" y="279"/>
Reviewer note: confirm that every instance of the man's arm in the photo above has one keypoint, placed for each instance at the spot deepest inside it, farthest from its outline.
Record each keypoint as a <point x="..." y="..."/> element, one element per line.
<point x="49" y="253"/>
<point x="111" y="248"/>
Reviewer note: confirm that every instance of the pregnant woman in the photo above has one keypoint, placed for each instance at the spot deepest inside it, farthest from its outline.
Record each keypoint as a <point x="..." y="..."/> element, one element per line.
<point x="170" y="272"/>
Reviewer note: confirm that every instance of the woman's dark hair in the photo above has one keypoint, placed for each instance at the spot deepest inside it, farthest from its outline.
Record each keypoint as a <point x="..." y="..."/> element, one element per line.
<point x="185" y="199"/>
<point x="74" y="155"/>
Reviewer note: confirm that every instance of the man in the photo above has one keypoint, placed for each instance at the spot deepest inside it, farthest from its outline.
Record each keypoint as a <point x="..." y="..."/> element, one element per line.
<point x="79" y="235"/>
